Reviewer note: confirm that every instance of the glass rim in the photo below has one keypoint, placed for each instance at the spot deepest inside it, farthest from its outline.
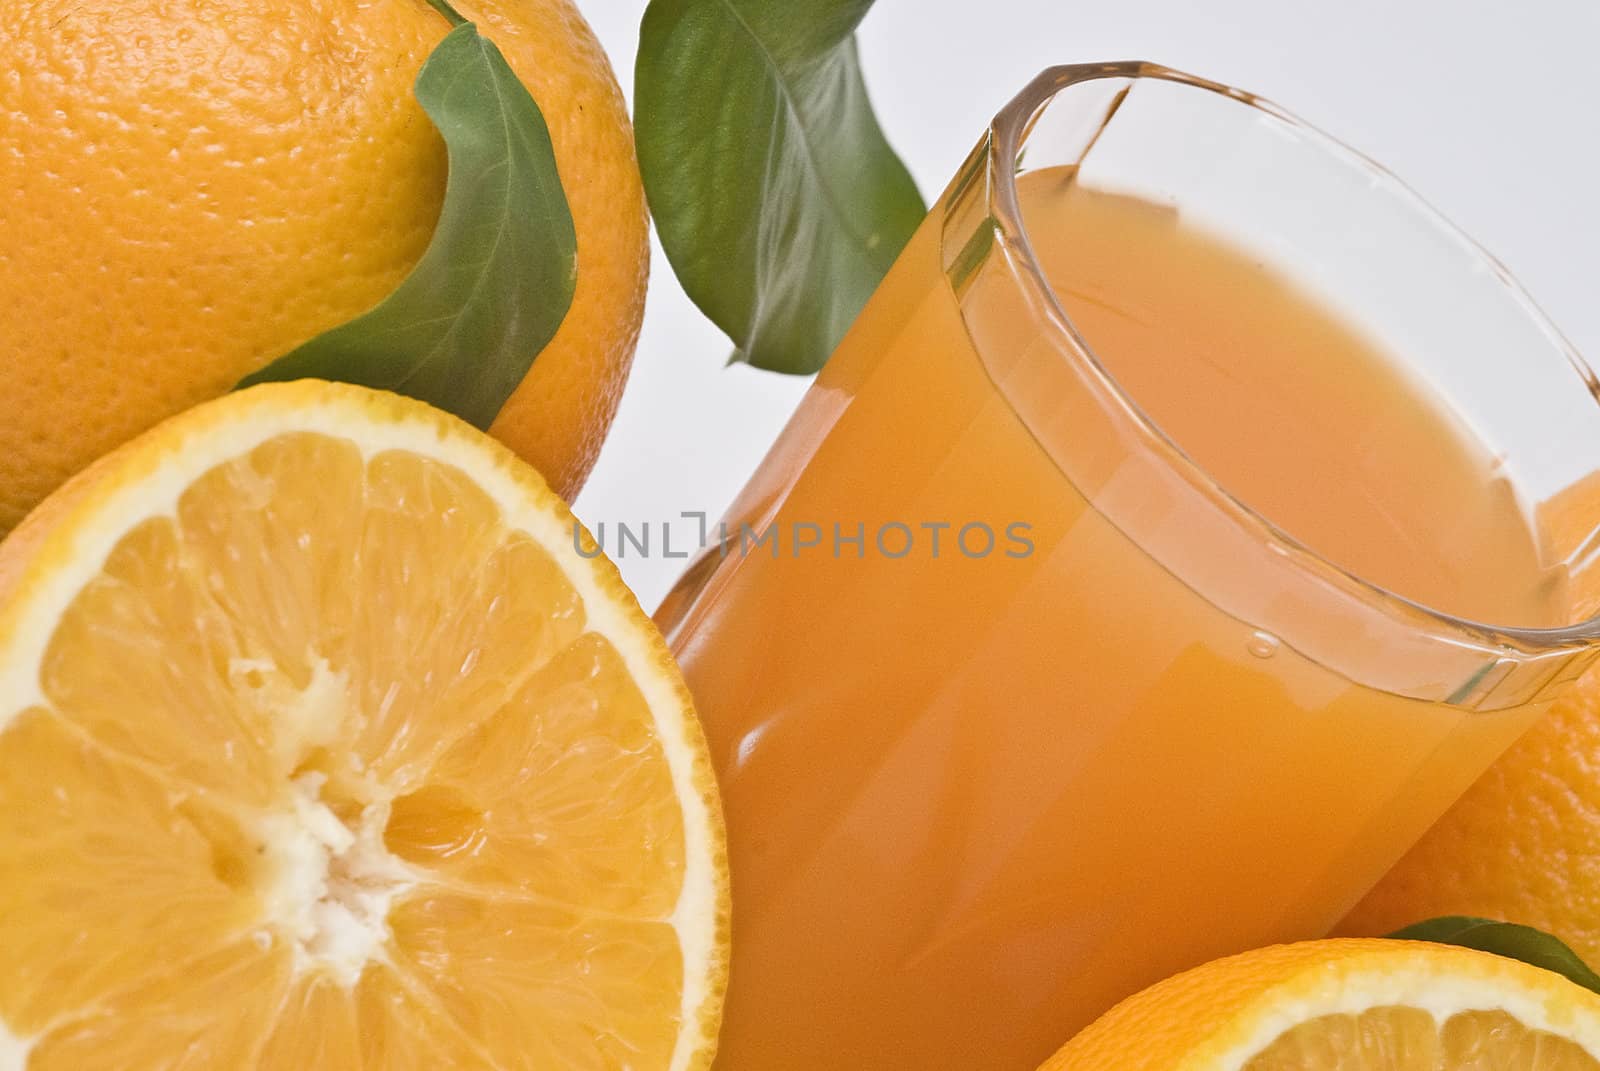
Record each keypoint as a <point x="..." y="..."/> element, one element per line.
<point x="1008" y="134"/>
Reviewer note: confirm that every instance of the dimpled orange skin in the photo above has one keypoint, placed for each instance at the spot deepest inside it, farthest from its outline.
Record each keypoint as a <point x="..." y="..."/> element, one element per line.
<point x="191" y="188"/>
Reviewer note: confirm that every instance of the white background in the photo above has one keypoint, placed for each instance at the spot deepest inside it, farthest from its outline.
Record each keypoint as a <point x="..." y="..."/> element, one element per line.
<point x="1489" y="108"/>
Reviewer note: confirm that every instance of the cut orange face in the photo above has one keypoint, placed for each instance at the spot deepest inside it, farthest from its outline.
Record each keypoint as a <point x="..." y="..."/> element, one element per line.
<point x="1348" y="1005"/>
<point x="327" y="741"/>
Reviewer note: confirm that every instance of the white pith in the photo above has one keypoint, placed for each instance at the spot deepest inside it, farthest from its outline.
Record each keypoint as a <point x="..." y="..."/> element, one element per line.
<point x="13" y="1051"/>
<point x="328" y="888"/>
<point x="334" y="884"/>
<point x="325" y="888"/>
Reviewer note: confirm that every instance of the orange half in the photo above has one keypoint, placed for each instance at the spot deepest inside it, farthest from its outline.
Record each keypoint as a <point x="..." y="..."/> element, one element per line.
<point x="1348" y="1005"/>
<point x="328" y="740"/>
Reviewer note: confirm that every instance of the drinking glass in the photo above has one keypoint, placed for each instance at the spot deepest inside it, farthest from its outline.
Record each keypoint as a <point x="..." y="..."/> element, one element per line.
<point x="1016" y="709"/>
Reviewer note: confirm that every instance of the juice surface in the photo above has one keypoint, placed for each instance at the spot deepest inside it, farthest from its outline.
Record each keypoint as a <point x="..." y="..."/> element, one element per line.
<point x="1290" y="408"/>
<point x="975" y="800"/>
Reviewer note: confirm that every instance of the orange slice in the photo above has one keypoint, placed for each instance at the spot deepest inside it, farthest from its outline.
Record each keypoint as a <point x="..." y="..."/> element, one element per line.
<point x="1348" y="1005"/>
<point x="328" y="740"/>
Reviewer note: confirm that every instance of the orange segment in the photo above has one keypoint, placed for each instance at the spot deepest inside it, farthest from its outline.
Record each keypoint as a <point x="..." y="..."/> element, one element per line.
<point x="1392" y="1037"/>
<point x="321" y="745"/>
<point x="315" y="1027"/>
<point x="424" y="519"/>
<point x="512" y="814"/>
<point x="157" y="1023"/>
<point x="402" y="1031"/>
<point x="617" y="978"/>
<point x="255" y="553"/>
<point x="144" y="664"/>
<point x="105" y="873"/>
<point x="1348" y="1005"/>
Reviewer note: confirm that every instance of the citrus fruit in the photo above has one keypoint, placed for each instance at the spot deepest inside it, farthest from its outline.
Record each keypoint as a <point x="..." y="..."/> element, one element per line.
<point x="325" y="743"/>
<point x="1348" y="1005"/>
<point x="193" y="188"/>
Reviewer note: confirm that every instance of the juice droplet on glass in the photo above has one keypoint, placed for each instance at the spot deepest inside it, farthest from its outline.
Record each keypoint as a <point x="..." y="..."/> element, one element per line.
<point x="1262" y="644"/>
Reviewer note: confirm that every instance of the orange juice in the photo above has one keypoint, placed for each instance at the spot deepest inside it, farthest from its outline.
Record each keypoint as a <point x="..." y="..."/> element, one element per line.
<point x="976" y="798"/>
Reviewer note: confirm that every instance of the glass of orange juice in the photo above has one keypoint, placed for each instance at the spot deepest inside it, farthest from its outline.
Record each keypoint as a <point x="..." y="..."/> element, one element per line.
<point x="1188" y="519"/>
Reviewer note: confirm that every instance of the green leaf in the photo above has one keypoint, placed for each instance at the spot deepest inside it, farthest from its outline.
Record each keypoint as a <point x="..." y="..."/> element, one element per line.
<point x="778" y="200"/>
<point x="1505" y="939"/>
<point x="497" y="278"/>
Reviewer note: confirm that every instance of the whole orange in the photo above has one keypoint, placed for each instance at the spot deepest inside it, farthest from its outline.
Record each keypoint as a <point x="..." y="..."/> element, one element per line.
<point x="192" y="188"/>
